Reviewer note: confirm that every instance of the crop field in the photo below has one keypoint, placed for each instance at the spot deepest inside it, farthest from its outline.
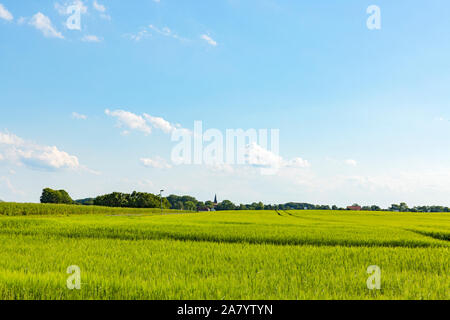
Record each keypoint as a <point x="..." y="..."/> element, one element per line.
<point x="141" y="254"/>
<point x="24" y="209"/>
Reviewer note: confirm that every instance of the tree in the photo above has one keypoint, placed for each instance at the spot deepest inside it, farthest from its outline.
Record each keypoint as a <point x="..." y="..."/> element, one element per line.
<point x="133" y="200"/>
<point x="226" y="205"/>
<point x="143" y="200"/>
<point x="85" y="202"/>
<point x="64" y="197"/>
<point x="49" y="196"/>
<point x="190" y="205"/>
<point x="200" y="205"/>
<point x="179" y="203"/>
<point x="115" y="199"/>
<point x="403" y="207"/>
<point x="259" y="206"/>
<point x="166" y="204"/>
<point x="55" y="196"/>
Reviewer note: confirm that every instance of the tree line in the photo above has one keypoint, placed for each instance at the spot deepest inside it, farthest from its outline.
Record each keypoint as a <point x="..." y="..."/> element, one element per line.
<point x="149" y="200"/>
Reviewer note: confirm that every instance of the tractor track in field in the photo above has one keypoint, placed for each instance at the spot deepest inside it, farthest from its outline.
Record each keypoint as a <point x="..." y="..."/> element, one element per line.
<point x="288" y="214"/>
<point x="278" y="212"/>
<point x="434" y="235"/>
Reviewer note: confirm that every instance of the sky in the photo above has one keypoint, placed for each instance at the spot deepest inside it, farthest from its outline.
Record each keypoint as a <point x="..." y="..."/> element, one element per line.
<point x="363" y="114"/>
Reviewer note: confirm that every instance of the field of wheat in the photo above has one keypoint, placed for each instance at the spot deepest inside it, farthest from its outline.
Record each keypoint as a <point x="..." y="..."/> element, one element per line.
<point x="141" y="254"/>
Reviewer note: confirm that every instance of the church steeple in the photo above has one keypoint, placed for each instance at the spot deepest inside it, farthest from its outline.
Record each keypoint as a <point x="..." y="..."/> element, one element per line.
<point x="215" y="199"/>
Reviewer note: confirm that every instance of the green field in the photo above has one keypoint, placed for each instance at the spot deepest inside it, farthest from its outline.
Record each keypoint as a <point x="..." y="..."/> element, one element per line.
<point x="140" y="254"/>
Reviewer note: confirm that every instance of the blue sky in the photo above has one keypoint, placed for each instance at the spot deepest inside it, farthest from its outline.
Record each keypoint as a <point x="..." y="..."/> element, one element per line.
<point x="368" y="110"/>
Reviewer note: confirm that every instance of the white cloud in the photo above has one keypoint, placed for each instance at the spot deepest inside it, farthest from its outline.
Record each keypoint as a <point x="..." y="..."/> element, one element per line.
<point x="406" y="182"/>
<point x="10" y="139"/>
<point x="157" y="163"/>
<point x="48" y="157"/>
<point x="78" y="116"/>
<point x="147" y="32"/>
<point x="99" y="7"/>
<point x="43" y="24"/>
<point x="146" y="183"/>
<point x="221" y="168"/>
<point x="130" y="120"/>
<point x="5" y="14"/>
<point x="90" y="38"/>
<point x="102" y="9"/>
<point x="258" y="156"/>
<point x="208" y="39"/>
<point x="138" y="36"/>
<point x="166" y="32"/>
<point x="297" y="163"/>
<point x="160" y="123"/>
<point x="61" y="9"/>
<point x="143" y="123"/>
<point x="21" y="152"/>
<point x="10" y="186"/>
<point x="351" y="162"/>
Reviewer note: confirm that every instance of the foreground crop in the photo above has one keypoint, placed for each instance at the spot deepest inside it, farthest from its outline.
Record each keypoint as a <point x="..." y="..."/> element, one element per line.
<point x="226" y="255"/>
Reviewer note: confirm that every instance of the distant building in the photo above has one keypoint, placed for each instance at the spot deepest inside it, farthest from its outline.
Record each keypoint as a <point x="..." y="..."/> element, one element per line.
<point x="354" y="208"/>
<point x="215" y="203"/>
<point x="204" y="209"/>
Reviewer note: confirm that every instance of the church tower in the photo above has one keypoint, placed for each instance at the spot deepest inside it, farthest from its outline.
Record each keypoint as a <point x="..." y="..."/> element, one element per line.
<point x="215" y="200"/>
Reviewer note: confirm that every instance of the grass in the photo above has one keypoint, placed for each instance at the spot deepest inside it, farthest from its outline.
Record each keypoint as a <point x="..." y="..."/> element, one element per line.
<point x="25" y="209"/>
<point x="226" y="255"/>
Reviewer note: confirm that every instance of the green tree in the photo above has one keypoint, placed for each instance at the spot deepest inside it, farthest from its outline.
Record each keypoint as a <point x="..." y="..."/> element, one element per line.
<point x="209" y="204"/>
<point x="403" y="207"/>
<point x="259" y="206"/>
<point x="200" y="205"/>
<point x="190" y="205"/>
<point x="226" y="205"/>
<point x="55" y="196"/>
<point x="178" y="205"/>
